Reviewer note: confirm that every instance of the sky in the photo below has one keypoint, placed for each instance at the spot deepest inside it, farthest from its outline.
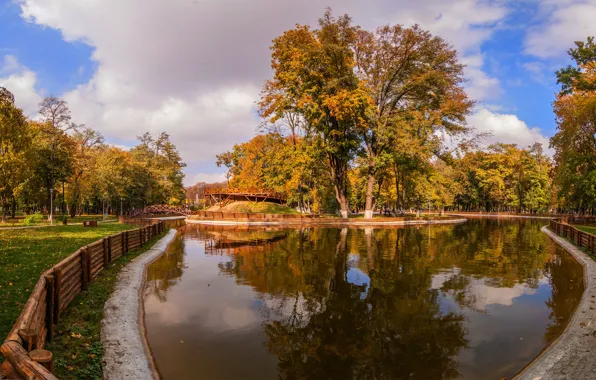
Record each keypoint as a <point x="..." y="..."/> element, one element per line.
<point x="195" y="68"/>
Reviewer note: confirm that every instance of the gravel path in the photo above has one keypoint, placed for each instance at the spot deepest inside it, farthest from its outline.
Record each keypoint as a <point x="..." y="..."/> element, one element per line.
<point x="122" y="329"/>
<point x="572" y="356"/>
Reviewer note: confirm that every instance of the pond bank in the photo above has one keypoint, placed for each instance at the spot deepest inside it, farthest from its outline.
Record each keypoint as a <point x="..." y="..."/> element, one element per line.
<point x="324" y="222"/>
<point x="573" y="354"/>
<point x="126" y="355"/>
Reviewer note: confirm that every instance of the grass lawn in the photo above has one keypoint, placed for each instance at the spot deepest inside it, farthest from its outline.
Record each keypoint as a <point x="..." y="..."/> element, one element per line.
<point x="26" y="253"/>
<point x="18" y="222"/>
<point x="76" y="346"/>
<point x="588" y="229"/>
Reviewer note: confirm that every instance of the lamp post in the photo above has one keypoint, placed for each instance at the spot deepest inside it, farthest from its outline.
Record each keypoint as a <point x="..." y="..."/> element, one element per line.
<point x="51" y="206"/>
<point x="121" y="207"/>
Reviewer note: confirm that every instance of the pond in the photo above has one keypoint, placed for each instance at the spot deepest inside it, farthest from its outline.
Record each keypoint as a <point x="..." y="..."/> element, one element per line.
<point x="477" y="300"/>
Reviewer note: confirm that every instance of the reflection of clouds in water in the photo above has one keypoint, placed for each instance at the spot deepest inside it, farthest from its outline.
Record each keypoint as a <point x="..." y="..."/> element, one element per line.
<point x="235" y="318"/>
<point x="235" y="311"/>
<point x="483" y="294"/>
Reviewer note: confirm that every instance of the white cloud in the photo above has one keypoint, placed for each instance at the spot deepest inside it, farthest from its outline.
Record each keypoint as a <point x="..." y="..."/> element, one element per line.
<point x="21" y="82"/>
<point x="537" y="71"/>
<point x="195" y="68"/>
<point x="205" y="177"/>
<point x="507" y="128"/>
<point x="561" y="23"/>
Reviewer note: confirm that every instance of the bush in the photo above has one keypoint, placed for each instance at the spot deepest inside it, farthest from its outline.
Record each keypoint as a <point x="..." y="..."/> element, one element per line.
<point x="33" y="219"/>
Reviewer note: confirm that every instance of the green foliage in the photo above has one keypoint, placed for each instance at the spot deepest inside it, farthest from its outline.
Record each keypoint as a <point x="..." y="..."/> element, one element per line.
<point x="570" y="78"/>
<point x="55" y="157"/>
<point x="575" y="150"/>
<point x="32" y="219"/>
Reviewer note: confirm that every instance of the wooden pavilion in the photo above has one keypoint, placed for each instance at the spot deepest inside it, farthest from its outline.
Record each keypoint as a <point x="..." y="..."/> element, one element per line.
<point x="224" y="196"/>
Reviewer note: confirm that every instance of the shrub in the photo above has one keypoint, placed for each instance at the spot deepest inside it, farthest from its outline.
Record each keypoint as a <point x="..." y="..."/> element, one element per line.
<point x="33" y="219"/>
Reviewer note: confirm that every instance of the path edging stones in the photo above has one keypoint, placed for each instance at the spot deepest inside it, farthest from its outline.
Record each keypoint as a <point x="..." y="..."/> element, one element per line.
<point x="573" y="354"/>
<point x="126" y="355"/>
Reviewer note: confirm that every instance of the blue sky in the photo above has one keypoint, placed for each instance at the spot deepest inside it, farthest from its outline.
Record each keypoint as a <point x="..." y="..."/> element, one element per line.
<point x="194" y="68"/>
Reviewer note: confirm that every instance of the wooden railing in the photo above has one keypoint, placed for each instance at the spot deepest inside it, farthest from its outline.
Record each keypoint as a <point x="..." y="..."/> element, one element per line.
<point x="582" y="219"/>
<point x="580" y="238"/>
<point x="55" y="290"/>
<point x="217" y="215"/>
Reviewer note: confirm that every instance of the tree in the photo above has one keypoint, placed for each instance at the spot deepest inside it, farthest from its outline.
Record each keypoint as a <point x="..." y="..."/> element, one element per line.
<point x="415" y="82"/>
<point x="15" y="139"/>
<point x="570" y="78"/>
<point x="314" y="77"/>
<point x="85" y="139"/>
<point x="575" y="141"/>
<point x="160" y="158"/>
<point x="57" y="119"/>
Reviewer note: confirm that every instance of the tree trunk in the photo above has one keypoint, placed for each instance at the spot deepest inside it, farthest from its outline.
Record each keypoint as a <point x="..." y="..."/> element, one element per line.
<point x="14" y="207"/>
<point x="339" y="170"/>
<point x="370" y="185"/>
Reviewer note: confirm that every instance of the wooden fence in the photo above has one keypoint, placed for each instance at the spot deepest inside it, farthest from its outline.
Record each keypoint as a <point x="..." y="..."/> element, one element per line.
<point x="53" y="293"/>
<point x="218" y="215"/>
<point x="580" y="238"/>
<point x="582" y="219"/>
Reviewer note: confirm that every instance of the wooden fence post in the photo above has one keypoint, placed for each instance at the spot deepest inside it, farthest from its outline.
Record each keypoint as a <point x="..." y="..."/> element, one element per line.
<point x="122" y="243"/>
<point x="50" y="307"/>
<point x="106" y="257"/>
<point x="85" y="262"/>
<point x="109" y="238"/>
<point x="57" y="290"/>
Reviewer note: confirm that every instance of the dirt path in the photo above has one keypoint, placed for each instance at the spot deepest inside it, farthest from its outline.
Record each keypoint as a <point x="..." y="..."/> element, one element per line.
<point x="126" y="355"/>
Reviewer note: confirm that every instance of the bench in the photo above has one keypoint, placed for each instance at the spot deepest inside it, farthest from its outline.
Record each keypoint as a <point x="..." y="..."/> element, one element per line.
<point x="90" y="223"/>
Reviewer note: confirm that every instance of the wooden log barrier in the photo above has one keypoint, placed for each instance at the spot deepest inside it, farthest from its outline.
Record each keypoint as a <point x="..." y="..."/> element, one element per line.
<point x="43" y="357"/>
<point x="22" y="363"/>
<point x="50" y="306"/>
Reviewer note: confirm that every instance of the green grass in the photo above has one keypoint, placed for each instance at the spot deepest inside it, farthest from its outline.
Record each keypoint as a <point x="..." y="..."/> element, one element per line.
<point x="76" y="346"/>
<point x="77" y="219"/>
<point x="25" y="254"/>
<point x="588" y="229"/>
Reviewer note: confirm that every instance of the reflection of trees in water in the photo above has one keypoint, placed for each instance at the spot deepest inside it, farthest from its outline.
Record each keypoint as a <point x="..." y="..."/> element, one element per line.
<point x="324" y="326"/>
<point x="321" y="323"/>
<point x="166" y="271"/>
<point x="566" y="278"/>
<point x="331" y="328"/>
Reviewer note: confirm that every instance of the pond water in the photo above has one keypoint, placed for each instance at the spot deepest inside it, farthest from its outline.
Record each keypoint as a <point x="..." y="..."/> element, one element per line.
<point x="477" y="300"/>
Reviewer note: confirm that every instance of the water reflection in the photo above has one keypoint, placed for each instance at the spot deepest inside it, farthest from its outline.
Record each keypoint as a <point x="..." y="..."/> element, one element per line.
<point x="474" y="301"/>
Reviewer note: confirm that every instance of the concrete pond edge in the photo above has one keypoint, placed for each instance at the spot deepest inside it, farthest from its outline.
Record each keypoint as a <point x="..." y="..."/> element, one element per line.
<point x="339" y="222"/>
<point x="573" y="354"/>
<point x="126" y="352"/>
